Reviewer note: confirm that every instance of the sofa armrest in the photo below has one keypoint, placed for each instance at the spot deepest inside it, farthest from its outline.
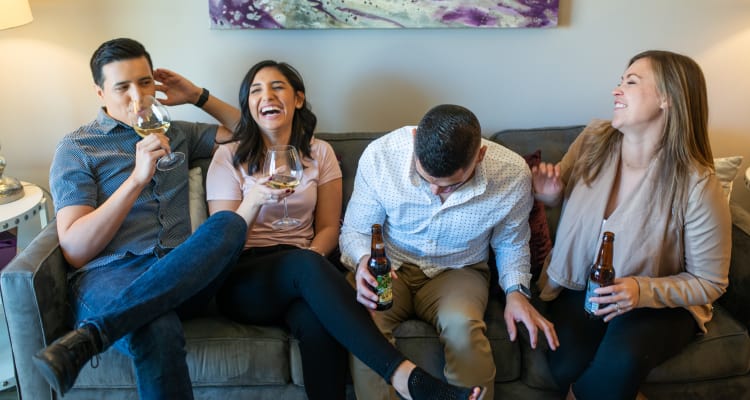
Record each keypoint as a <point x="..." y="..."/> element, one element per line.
<point x="737" y="297"/>
<point x="35" y="301"/>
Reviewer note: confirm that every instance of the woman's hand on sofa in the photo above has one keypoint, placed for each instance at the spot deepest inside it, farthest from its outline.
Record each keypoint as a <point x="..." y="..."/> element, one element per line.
<point x="518" y="309"/>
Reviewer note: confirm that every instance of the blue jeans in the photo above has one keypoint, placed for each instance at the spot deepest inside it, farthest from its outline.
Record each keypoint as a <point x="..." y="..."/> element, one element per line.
<point x="136" y="302"/>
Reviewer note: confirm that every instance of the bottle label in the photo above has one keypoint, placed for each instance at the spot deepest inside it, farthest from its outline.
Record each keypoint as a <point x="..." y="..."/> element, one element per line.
<point x="589" y="306"/>
<point x="384" y="288"/>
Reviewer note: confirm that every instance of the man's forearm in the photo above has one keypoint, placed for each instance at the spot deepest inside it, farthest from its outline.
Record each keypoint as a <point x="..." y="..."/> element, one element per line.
<point x="84" y="233"/>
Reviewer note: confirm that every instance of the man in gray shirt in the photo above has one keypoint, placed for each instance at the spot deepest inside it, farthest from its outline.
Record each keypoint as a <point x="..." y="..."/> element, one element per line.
<point x="123" y="227"/>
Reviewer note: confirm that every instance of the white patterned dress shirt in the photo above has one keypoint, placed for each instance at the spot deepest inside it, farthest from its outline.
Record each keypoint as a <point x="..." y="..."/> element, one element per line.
<point x="491" y="209"/>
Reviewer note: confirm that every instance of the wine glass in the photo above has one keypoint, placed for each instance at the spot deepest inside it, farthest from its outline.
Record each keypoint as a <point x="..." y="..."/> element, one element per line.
<point x="284" y="167"/>
<point x="148" y="116"/>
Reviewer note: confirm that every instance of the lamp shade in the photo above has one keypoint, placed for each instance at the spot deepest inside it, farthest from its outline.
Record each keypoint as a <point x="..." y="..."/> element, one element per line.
<point x="14" y="13"/>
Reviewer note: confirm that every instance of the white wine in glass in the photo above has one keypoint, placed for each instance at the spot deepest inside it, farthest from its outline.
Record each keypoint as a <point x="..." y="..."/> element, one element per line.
<point x="284" y="166"/>
<point x="148" y="116"/>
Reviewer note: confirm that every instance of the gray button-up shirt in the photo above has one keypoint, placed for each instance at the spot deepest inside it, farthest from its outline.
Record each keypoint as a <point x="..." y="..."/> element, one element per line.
<point x="93" y="161"/>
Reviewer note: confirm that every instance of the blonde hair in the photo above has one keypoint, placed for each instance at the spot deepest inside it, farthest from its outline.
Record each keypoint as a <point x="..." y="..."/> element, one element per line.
<point x="684" y="146"/>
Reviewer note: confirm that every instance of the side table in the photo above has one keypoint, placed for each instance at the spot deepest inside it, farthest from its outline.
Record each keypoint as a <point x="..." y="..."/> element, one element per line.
<point x="15" y="213"/>
<point x="15" y="216"/>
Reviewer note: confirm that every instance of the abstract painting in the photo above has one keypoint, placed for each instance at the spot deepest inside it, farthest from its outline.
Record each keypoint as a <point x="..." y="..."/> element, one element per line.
<point x="326" y="14"/>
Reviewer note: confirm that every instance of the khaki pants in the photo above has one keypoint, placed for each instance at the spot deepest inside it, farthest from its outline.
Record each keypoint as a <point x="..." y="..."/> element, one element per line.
<point x="454" y="302"/>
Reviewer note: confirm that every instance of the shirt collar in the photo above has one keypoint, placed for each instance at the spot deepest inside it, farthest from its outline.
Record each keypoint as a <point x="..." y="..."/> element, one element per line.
<point x="107" y="123"/>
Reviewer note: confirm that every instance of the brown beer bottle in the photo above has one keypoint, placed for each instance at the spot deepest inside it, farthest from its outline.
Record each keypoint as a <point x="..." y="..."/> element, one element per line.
<point x="602" y="274"/>
<point x="380" y="267"/>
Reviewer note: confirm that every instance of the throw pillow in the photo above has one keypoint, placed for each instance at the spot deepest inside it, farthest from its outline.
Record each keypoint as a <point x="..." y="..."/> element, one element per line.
<point x="726" y="171"/>
<point x="196" y="198"/>
<point x="540" y="243"/>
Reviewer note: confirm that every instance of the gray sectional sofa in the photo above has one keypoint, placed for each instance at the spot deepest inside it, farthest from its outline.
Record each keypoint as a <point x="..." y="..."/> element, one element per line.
<point x="234" y="361"/>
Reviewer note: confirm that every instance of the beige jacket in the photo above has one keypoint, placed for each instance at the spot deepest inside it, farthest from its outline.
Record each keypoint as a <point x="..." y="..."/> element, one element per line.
<point x="675" y="266"/>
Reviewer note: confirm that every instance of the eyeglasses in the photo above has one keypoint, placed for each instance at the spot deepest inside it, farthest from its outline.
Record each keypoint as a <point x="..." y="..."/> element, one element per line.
<point x="447" y="188"/>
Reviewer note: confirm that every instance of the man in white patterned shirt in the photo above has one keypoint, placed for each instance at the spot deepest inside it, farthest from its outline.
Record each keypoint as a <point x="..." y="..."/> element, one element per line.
<point x="444" y="196"/>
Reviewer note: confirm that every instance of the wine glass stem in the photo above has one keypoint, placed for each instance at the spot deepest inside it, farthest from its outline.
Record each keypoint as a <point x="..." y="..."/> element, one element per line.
<point x="286" y="215"/>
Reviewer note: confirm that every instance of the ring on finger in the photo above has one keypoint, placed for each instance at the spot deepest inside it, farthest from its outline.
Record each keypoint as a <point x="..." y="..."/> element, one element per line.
<point x="617" y="308"/>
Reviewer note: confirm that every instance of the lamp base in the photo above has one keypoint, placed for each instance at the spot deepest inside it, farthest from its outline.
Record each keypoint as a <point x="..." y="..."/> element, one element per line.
<point x="10" y="190"/>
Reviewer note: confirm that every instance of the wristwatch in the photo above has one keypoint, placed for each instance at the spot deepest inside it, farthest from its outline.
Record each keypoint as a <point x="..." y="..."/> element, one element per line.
<point x="519" y="288"/>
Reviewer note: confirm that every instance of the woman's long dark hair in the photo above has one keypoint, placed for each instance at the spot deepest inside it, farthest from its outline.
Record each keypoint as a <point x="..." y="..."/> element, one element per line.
<point x="251" y="148"/>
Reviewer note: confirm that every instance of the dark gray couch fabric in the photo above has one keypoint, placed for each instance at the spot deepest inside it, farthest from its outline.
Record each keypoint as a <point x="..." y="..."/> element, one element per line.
<point x="233" y="361"/>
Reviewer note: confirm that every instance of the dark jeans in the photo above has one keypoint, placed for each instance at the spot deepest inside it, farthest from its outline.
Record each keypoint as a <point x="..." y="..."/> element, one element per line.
<point x="301" y="290"/>
<point x="611" y="360"/>
<point x="137" y="302"/>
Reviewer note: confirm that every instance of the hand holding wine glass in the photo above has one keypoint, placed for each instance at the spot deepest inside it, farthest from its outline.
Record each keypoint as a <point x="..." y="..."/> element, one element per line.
<point x="284" y="166"/>
<point x="148" y="116"/>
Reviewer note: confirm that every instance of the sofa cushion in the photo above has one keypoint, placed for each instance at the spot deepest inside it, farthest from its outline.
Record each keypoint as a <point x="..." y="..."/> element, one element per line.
<point x="196" y="198"/>
<point x="219" y="353"/>
<point x="737" y="297"/>
<point x="348" y="148"/>
<point x="726" y="171"/>
<point x="701" y="360"/>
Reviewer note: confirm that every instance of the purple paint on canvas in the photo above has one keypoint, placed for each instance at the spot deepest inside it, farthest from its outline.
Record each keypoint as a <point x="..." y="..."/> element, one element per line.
<point x="537" y="11"/>
<point x="470" y="17"/>
<point x="233" y="13"/>
<point x="318" y="5"/>
<point x="410" y="14"/>
<point x="370" y="16"/>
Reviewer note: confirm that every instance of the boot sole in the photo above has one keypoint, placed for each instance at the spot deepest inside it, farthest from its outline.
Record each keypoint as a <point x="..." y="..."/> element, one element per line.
<point x="49" y="374"/>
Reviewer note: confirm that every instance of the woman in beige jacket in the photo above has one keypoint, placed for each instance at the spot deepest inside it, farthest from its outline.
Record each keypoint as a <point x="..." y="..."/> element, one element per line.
<point x="647" y="176"/>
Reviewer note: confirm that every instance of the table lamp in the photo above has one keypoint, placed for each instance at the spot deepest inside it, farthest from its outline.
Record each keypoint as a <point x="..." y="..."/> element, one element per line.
<point x="12" y="13"/>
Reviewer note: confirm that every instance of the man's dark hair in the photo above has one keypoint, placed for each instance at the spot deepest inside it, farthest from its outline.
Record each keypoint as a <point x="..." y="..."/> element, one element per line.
<point x="115" y="50"/>
<point x="447" y="139"/>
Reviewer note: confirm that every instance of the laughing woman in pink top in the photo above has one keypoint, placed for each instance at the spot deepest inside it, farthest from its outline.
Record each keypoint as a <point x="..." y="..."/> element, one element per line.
<point x="282" y="277"/>
<point x="648" y="176"/>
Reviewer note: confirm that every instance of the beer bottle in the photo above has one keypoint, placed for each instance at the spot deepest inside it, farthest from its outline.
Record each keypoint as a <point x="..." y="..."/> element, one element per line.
<point x="602" y="274"/>
<point x="380" y="267"/>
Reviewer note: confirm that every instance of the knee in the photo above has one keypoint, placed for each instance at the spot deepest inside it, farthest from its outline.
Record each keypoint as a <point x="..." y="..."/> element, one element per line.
<point x="460" y="330"/>
<point x="310" y="331"/>
<point x="625" y="362"/>
<point x="232" y="227"/>
<point x="563" y="373"/>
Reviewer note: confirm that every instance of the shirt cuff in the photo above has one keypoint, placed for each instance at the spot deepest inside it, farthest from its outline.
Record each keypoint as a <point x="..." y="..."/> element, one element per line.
<point x="515" y="278"/>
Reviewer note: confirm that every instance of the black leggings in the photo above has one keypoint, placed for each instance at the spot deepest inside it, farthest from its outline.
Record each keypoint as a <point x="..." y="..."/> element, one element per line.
<point x="611" y="360"/>
<point x="301" y="290"/>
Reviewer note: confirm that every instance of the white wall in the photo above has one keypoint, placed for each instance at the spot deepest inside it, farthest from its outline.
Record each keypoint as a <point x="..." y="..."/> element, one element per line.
<point x="377" y="79"/>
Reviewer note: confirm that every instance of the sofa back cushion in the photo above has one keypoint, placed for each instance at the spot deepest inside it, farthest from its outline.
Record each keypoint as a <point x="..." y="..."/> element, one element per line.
<point x="348" y="148"/>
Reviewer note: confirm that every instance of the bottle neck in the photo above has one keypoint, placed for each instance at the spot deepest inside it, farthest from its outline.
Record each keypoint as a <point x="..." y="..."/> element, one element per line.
<point x="605" y="253"/>
<point x="377" y="246"/>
